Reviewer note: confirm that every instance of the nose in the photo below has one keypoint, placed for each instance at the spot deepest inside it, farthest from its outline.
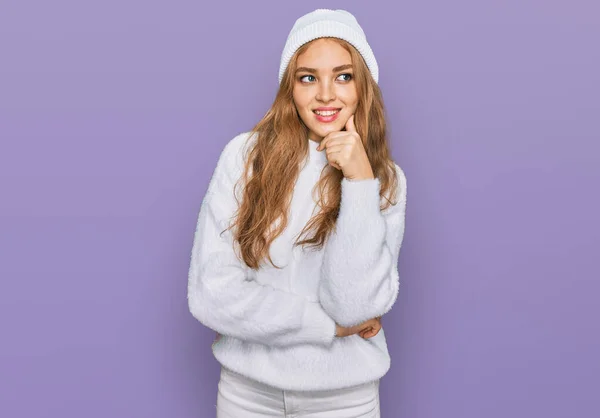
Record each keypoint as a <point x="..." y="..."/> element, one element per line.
<point x="326" y="92"/>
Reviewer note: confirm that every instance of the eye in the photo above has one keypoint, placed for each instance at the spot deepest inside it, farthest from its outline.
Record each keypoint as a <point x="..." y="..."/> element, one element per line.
<point x="349" y="75"/>
<point x="304" y="76"/>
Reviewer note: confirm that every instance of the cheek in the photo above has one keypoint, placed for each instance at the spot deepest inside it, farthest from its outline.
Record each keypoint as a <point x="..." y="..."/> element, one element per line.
<point x="301" y="108"/>
<point x="301" y="101"/>
<point x="350" y="98"/>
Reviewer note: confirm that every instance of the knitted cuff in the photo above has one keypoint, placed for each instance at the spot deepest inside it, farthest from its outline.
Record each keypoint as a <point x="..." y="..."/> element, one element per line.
<point x="318" y="325"/>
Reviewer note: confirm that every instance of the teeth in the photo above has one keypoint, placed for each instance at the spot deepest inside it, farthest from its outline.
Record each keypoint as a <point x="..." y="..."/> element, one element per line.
<point x="326" y="113"/>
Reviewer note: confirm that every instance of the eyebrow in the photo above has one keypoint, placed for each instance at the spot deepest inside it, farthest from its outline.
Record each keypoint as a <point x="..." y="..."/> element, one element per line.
<point x="313" y="70"/>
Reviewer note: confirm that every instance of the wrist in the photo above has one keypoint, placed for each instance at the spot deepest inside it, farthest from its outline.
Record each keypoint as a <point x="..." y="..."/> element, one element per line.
<point x="338" y="330"/>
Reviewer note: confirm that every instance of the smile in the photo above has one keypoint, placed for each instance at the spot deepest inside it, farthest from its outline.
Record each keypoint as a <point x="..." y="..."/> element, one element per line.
<point x="326" y="112"/>
<point x="326" y="115"/>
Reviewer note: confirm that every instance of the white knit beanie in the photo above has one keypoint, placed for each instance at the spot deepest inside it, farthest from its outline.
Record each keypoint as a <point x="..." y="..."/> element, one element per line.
<point x="328" y="23"/>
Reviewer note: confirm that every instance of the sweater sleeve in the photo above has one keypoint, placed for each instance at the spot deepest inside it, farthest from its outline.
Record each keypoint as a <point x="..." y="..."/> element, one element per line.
<point x="222" y="293"/>
<point x="359" y="274"/>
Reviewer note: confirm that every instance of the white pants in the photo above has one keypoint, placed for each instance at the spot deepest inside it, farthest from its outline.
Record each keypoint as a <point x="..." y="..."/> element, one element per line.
<point x="241" y="397"/>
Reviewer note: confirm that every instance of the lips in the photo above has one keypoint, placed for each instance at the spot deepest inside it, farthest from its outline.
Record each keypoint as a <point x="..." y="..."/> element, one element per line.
<point x="323" y="115"/>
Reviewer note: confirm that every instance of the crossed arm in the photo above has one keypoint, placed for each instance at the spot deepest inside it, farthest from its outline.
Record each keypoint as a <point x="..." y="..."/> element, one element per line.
<point x="222" y="296"/>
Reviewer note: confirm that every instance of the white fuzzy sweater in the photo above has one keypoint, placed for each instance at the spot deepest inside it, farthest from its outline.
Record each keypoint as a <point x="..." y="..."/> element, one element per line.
<point x="278" y="326"/>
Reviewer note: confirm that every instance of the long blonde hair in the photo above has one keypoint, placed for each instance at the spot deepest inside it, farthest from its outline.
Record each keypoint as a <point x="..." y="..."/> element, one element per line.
<point x="280" y="148"/>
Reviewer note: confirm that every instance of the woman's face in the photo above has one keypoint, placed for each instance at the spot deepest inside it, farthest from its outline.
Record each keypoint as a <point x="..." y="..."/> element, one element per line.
<point x="324" y="79"/>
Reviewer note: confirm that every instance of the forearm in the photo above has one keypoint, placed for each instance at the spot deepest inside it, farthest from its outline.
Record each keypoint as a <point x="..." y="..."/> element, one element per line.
<point x="359" y="271"/>
<point x="261" y="314"/>
<point x="359" y="275"/>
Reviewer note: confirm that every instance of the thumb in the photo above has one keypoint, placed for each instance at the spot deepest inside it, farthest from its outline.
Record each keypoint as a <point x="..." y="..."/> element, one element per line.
<point x="350" y="124"/>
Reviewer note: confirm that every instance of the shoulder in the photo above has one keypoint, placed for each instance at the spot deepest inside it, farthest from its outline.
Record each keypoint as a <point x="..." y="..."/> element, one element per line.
<point x="397" y="196"/>
<point x="241" y="141"/>
<point x="401" y="189"/>
<point x="234" y="154"/>
<point x="237" y="148"/>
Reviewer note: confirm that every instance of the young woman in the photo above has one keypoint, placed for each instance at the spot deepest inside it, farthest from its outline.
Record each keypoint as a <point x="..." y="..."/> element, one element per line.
<point x="294" y="256"/>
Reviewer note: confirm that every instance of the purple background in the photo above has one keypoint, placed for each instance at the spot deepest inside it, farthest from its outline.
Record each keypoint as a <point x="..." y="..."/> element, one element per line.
<point x="113" y="115"/>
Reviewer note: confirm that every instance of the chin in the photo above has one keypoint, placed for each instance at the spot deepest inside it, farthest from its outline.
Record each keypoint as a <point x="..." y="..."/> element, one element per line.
<point x="324" y="130"/>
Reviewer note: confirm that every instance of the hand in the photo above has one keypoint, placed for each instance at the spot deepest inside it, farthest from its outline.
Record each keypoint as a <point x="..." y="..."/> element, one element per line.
<point x="367" y="329"/>
<point x="372" y="331"/>
<point x="345" y="151"/>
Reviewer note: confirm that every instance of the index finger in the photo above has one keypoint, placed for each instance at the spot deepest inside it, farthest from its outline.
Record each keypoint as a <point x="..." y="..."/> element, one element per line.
<point x="328" y="138"/>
